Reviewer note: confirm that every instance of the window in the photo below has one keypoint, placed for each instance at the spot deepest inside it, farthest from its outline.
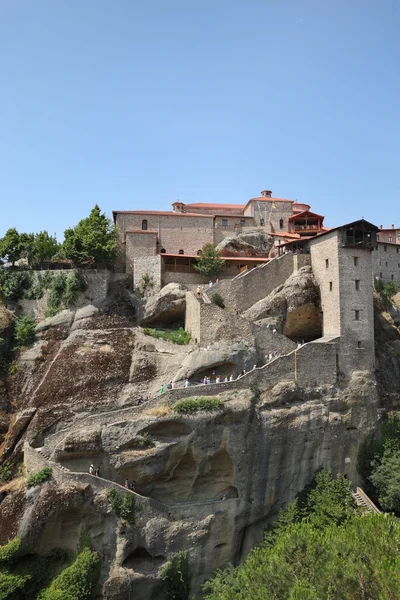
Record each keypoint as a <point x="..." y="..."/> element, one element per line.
<point x="390" y="238"/>
<point x="242" y="222"/>
<point x="385" y="248"/>
<point x="359" y="345"/>
<point x="357" y="284"/>
<point x="380" y="275"/>
<point x="327" y="263"/>
<point x="377" y="237"/>
<point x="357" y="315"/>
<point x="199" y="252"/>
<point x="330" y="286"/>
<point x="144" y="225"/>
<point x="181" y="252"/>
<point x="392" y="276"/>
<point x="356" y="261"/>
<point x="261" y="222"/>
<point x="281" y="223"/>
<point x="398" y="250"/>
<point x="398" y="235"/>
<point x="162" y="251"/>
<point x="224" y="222"/>
<point x="386" y="264"/>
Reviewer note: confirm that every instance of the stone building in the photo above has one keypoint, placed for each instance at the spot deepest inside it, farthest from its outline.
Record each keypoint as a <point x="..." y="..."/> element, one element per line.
<point x="386" y="262"/>
<point x="168" y="242"/>
<point x="389" y="236"/>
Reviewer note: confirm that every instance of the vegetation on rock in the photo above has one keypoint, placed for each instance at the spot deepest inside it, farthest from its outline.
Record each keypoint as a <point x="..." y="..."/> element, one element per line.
<point x="78" y="581"/>
<point x="189" y="406"/>
<point x="386" y="291"/>
<point x="176" y="576"/>
<point x="320" y="548"/>
<point x="209" y="262"/>
<point x="39" y="477"/>
<point x="125" y="504"/>
<point x="24" y="331"/>
<point x="13" y="284"/>
<point x="177" y="336"/>
<point x="64" y="290"/>
<point x="218" y="300"/>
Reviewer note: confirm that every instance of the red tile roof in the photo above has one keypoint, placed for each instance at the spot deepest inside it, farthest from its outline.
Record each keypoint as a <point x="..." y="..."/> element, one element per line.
<point x="286" y="234"/>
<point x="305" y="212"/>
<point x="161" y="212"/>
<point x="206" y="205"/>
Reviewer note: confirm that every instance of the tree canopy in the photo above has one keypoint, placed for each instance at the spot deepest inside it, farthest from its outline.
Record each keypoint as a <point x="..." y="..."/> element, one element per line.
<point x="45" y="246"/>
<point x="14" y="245"/>
<point x="92" y="240"/>
<point x="209" y="262"/>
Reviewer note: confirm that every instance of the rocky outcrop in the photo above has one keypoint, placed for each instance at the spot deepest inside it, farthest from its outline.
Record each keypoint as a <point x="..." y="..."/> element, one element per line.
<point x="168" y="306"/>
<point x="293" y="308"/>
<point x="6" y="326"/>
<point x="253" y="242"/>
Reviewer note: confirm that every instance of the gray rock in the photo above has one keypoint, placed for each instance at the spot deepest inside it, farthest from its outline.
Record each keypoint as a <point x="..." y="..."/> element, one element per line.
<point x="167" y="306"/>
<point x="61" y="319"/>
<point x="253" y="242"/>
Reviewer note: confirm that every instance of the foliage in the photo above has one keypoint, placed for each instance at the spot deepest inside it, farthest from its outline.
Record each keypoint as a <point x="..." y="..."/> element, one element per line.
<point x="64" y="290"/>
<point x="177" y="336"/>
<point x="13" y="284"/>
<point x="145" y="284"/>
<point x="125" y="504"/>
<point x="39" y="477"/>
<point x="12" y="584"/>
<point x="209" y="262"/>
<point x="14" y="245"/>
<point x="385" y="477"/>
<point x="218" y="300"/>
<point x="6" y="472"/>
<point x="39" y="285"/>
<point x="386" y="291"/>
<point x="10" y="551"/>
<point x="176" y="576"/>
<point x="354" y="561"/>
<point x="76" y="582"/>
<point x="92" y="240"/>
<point x="24" y="331"/>
<point x="13" y="368"/>
<point x="45" y="246"/>
<point x="190" y="406"/>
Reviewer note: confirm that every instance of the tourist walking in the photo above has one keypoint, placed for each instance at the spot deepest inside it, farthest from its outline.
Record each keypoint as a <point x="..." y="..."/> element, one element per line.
<point x="126" y="483"/>
<point x="187" y="383"/>
<point x="198" y="292"/>
<point x="91" y="469"/>
<point x="162" y="389"/>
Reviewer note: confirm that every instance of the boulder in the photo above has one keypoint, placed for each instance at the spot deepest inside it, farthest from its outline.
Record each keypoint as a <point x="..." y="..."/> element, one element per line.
<point x="253" y="242"/>
<point x="168" y="306"/>
<point x="293" y="308"/>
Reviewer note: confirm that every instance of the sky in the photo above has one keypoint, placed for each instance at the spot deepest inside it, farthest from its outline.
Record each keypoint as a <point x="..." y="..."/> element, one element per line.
<point x="136" y="104"/>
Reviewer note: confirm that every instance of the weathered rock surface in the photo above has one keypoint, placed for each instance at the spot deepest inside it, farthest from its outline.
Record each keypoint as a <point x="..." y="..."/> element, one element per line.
<point x="6" y="324"/>
<point x="167" y="306"/>
<point x="294" y="308"/>
<point x="254" y="242"/>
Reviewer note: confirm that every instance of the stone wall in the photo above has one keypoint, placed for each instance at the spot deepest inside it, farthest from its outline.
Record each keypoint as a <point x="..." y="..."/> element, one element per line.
<point x="272" y="217"/>
<point x="192" y="317"/>
<point x="147" y="265"/>
<point x="327" y="275"/>
<point x="386" y="262"/>
<point x="234" y="226"/>
<point x="193" y="279"/>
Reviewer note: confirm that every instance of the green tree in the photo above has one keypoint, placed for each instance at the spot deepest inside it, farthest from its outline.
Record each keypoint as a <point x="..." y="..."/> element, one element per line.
<point x="24" y="332"/>
<point x="45" y="246"/>
<point x="10" y="246"/>
<point x="385" y="478"/>
<point x="93" y="239"/>
<point x="209" y="263"/>
<point x="176" y="576"/>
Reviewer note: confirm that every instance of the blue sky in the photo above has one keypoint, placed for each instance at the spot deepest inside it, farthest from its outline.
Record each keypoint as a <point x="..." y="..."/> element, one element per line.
<point x="135" y="104"/>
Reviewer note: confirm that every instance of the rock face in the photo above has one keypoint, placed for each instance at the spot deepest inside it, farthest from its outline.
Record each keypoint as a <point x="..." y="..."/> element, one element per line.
<point x="6" y="322"/>
<point x="293" y="308"/>
<point x="168" y="306"/>
<point x="254" y="242"/>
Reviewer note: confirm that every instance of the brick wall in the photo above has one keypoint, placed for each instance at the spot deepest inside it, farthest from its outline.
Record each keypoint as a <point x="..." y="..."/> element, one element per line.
<point x="386" y="262"/>
<point x="390" y="236"/>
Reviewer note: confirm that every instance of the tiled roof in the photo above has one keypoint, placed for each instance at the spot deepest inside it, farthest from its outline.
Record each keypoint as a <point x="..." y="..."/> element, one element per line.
<point x="206" y="205"/>
<point x="286" y="234"/>
<point x="161" y="212"/>
<point x="305" y="212"/>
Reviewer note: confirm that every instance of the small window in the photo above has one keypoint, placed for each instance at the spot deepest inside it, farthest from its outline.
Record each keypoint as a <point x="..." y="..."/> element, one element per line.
<point x="357" y="315"/>
<point x="397" y="250"/>
<point x="330" y="286"/>
<point x="385" y="248"/>
<point x="356" y="261"/>
<point x="392" y="276"/>
<point x="377" y="237"/>
<point x="242" y="222"/>
<point x="261" y="222"/>
<point x="380" y="275"/>
<point x="144" y="225"/>
<point x="199" y="252"/>
<point x="357" y="284"/>
<point x="181" y="252"/>
<point x="398" y="236"/>
<point x="327" y="263"/>
<point x="162" y="251"/>
<point x="281" y="223"/>
<point x="224" y="222"/>
<point x="390" y="238"/>
<point x="386" y="264"/>
<point x="359" y="344"/>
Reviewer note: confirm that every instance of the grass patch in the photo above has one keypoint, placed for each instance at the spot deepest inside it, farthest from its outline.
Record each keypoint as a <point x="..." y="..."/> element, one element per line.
<point x="189" y="406"/>
<point x="218" y="300"/>
<point x="159" y="411"/>
<point x="176" y="336"/>
<point x="39" y="477"/>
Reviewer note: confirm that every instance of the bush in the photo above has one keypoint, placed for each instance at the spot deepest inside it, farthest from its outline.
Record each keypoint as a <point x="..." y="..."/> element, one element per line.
<point x="64" y="290"/>
<point x="39" y="477"/>
<point x="218" y="300"/>
<point x="176" y="576"/>
<point x="386" y="291"/>
<point x="190" y="406"/>
<point x="10" y="551"/>
<point x="24" y="331"/>
<point x="6" y="472"/>
<point x="177" y="336"/>
<point x="13" y="284"/>
<point x="209" y="262"/>
<point x="124" y="505"/>
<point x="76" y="582"/>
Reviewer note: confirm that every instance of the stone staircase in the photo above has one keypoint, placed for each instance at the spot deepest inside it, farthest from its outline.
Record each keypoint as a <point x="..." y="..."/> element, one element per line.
<point x="364" y="502"/>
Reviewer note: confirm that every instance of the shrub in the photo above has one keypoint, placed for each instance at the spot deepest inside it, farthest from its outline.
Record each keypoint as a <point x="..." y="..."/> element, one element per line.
<point x="209" y="263"/>
<point x="218" y="300"/>
<point x="386" y="291"/>
<point x="10" y="551"/>
<point x="124" y="505"/>
<point x="13" y="368"/>
<point x="176" y="576"/>
<point x="13" y="284"/>
<point x="64" y="290"/>
<point x="177" y="336"/>
<point x="76" y="582"/>
<point x="39" y="477"/>
<point x="190" y="406"/>
<point x="24" y="331"/>
<point x="6" y="472"/>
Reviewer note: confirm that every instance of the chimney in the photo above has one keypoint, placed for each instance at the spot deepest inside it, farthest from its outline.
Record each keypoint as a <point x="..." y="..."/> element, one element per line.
<point x="266" y="193"/>
<point x="392" y="226"/>
<point x="380" y="226"/>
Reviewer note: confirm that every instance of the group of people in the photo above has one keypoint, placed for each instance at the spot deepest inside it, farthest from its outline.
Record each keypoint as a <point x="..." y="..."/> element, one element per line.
<point x="270" y="355"/>
<point x="169" y="386"/>
<point x="130" y="485"/>
<point x="94" y="471"/>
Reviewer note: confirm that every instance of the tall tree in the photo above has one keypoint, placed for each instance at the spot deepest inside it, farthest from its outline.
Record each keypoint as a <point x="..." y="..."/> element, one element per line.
<point x="14" y="245"/>
<point x="92" y="239"/>
<point x="45" y="246"/>
<point x="209" y="263"/>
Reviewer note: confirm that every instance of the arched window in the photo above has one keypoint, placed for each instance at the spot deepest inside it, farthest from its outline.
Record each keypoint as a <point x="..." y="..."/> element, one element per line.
<point x="281" y="223"/>
<point x="162" y="251"/>
<point x="144" y="225"/>
<point x="181" y="252"/>
<point x="199" y="252"/>
<point x="262" y="222"/>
